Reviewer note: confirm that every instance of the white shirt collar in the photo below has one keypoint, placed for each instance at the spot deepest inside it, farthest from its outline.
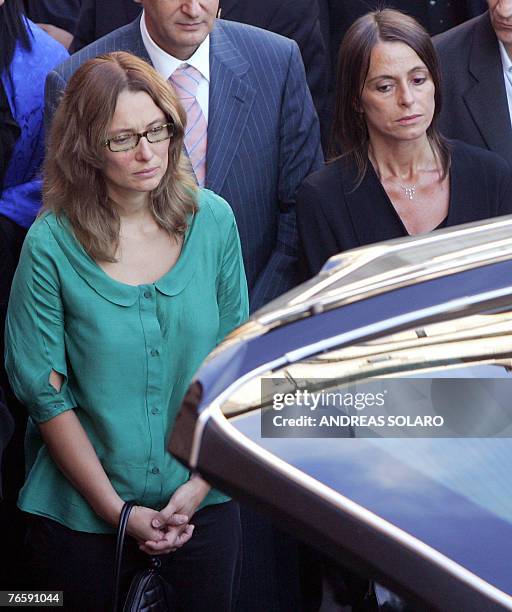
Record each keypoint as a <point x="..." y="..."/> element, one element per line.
<point x="165" y="64"/>
<point x="505" y="59"/>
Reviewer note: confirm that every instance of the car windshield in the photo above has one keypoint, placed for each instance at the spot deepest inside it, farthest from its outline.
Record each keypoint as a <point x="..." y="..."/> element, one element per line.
<point x="449" y="487"/>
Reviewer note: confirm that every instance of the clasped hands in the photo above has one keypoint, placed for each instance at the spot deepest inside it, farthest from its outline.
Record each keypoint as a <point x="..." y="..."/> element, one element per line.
<point x="159" y="533"/>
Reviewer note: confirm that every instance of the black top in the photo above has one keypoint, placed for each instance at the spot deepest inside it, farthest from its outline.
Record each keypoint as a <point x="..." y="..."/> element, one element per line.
<point x="333" y="217"/>
<point x="9" y="134"/>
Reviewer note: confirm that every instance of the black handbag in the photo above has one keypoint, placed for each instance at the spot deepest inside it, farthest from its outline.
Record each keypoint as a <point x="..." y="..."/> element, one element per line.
<point x="148" y="590"/>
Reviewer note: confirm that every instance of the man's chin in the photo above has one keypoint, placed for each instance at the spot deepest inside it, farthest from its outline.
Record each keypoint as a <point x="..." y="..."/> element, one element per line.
<point x="505" y="36"/>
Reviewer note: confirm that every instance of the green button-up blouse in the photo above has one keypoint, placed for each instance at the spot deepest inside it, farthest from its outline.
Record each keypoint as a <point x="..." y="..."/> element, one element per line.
<point x="127" y="354"/>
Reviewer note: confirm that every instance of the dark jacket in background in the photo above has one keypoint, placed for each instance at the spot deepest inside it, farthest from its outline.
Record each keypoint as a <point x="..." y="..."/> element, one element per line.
<point x="100" y="17"/>
<point x="475" y="107"/>
<point x="295" y="19"/>
<point x="60" y="13"/>
<point x="435" y="16"/>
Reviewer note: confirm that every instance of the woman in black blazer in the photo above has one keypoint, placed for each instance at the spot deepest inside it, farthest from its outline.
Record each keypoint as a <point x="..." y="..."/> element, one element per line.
<point x="397" y="175"/>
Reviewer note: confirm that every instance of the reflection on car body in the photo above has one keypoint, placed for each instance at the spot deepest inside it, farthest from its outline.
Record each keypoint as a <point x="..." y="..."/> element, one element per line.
<point x="425" y="511"/>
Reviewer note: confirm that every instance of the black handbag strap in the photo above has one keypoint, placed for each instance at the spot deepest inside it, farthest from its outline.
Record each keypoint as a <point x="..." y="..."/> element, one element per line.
<point x="121" y="531"/>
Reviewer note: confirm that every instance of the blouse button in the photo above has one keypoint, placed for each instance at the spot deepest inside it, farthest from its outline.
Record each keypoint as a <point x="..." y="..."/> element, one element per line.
<point x="155" y="411"/>
<point x="147" y="294"/>
<point x="155" y="470"/>
<point x="154" y="353"/>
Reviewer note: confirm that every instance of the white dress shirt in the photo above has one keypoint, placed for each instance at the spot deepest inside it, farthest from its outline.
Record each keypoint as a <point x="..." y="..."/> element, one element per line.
<point x="507" y="73"/>
<point x="166" y="64"/>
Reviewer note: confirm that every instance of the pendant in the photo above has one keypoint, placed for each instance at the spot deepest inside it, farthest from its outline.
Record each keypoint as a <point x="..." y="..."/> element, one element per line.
<point x="410" y="191"/>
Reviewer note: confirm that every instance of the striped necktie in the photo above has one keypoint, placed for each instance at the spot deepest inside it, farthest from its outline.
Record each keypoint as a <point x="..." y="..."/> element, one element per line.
<point x="185" y="81"/>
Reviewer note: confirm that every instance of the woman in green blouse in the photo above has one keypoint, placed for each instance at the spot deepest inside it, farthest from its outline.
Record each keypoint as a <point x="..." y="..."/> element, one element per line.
<point x="127" y="280"/>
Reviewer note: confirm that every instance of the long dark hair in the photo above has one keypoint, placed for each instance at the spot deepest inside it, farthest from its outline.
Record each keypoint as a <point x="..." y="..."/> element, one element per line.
<point x="349" y="133"/>
<point x="12" y="30"/>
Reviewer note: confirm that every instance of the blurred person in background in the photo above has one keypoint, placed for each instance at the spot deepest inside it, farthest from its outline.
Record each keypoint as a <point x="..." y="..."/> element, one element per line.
<point x="393" y="173"/>
<point x="476" y="62"/>
<point x="57" y="17"/>
<point x="27" y="54"/>
<point x="100" y="17"/>
<point x="25" y="51"/>
<point x="126" y="282"/>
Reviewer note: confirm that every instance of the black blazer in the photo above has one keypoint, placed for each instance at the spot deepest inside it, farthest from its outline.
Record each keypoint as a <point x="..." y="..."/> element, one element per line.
<point x="475" y="107"/>
<point x="100" y="17"/>
<point x="333" y="218"/>
<point x="60" y="13"/>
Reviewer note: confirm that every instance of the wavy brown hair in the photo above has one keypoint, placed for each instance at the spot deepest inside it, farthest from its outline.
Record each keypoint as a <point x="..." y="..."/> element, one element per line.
<point x="349" y="133"/>
<point x="74" y="184"/>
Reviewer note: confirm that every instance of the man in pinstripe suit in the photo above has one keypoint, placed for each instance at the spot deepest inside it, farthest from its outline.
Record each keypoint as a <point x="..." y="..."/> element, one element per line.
<point x="263" y="136"/>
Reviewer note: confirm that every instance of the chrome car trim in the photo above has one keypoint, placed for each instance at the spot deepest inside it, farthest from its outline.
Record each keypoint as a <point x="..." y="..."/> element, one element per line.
<point x="311" y="300"/>
<point x="361" y="513"/>
<point x="387" y="324"/>
<point x="204" y="415"/>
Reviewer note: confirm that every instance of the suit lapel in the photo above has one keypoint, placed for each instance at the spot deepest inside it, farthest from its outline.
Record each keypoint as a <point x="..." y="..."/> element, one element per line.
<point x="128" y="38"/>
<point x="138" y="46"/>
<point x="230" y="102"/>
<point x="487" y="98"/>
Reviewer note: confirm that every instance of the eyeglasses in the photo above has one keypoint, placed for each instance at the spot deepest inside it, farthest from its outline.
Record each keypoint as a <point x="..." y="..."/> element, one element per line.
<point x="125" y="142"/>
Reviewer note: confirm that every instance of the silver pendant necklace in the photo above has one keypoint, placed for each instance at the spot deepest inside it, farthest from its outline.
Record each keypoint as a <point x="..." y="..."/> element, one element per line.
<point x="409" y="190"/>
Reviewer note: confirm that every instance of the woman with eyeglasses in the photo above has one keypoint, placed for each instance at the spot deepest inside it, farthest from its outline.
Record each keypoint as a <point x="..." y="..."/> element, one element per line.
<point x="126" y="282"/>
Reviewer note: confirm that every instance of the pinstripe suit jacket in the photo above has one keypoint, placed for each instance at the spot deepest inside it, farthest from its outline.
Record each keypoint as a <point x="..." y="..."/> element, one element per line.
<point x="263" y="139"/>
